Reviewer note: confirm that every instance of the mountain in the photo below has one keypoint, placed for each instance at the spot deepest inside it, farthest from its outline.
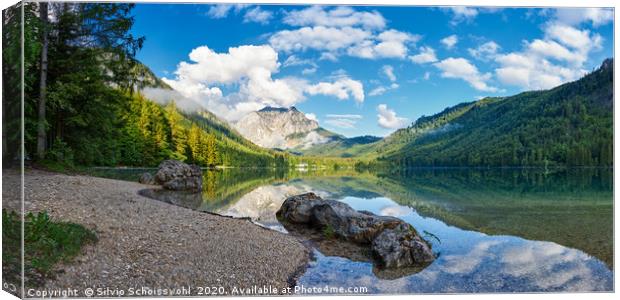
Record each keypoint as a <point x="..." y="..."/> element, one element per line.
<point x="144" y="77"/>
<point x="290" y="129"/>
<point x="570" y="125"/>
<point x="282" y="128"/>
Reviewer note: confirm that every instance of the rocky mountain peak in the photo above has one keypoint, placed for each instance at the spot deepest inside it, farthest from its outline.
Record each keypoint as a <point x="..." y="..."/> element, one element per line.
<point x="277" y="127"/>
<point x="278" y="109"/>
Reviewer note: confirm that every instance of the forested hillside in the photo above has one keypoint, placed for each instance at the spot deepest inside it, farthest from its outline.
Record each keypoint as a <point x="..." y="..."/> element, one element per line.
<point x="83" y="103"/>
<point x="570" y="125"/>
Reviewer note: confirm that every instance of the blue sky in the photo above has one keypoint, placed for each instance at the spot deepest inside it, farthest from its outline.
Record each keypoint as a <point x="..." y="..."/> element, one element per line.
<point x="364" y="70"/>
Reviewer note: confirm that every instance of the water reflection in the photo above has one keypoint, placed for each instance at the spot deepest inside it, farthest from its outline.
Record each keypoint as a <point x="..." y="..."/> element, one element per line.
<point x="495" y="230"/>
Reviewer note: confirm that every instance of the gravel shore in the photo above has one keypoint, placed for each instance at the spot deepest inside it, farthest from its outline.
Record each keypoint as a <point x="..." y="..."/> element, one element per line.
<point x="148" y="243"/>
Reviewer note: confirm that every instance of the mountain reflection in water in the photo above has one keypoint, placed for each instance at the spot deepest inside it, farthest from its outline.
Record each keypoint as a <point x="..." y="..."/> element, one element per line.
<point x="495" y="230"/>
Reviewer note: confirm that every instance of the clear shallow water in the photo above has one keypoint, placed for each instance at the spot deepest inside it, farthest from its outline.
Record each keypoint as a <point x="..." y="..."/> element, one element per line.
<point x="494" y="231"/>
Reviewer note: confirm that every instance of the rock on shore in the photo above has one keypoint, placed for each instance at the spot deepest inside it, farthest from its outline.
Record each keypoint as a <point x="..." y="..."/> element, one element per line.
<point x="179" y="176"/>
<point x="393" y="242"/>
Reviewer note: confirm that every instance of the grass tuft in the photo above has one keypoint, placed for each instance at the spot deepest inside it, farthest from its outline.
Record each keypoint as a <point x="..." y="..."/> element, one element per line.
<point x="46" y="243"/>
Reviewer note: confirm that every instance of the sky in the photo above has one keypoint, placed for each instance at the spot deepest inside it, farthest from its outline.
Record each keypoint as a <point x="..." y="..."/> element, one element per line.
<point x="363" y="70"/>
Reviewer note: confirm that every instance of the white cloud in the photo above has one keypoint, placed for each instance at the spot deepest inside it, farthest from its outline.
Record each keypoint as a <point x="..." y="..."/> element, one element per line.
<point x="387" y="118"/>
<point x="462" y="13"/>
<point x="346" y="116"/>
<point x="311" y="116"/>
<point x="220" y="11"/>
<point x="551" y="49"/>
<point x="427" y="75"/>
<point x="250" y="68"/>
<point x="346" y="121"/>
<point x="545" y="63"/>
<point x="336" y="17"/>
<point x="485" y="51"/>
<point x="467" y="14"/>
<point x="343" y="89"/>
<point x="580" y="40"/>
<point x="576" y="16"/>
<point x="340" y="31"/>
<point x="380" y="90"/>
<point x="313" y="138"/>
<point x="341" y="123"/>
<point x="294" y="60"/>
<point x="450" y="41"/>
<point x="461" y="68"/>
<point x="328" y="56"/>
<point x="257" y="15"/>
<point x="389" y="72"/>
<point x="388" y="44"/>
<point x="308" y="71"/>
<point x="377" y="91"/>
<point x="426" y="55"/>
<point x="321" y="38"/>
<point x="531" y="72"/>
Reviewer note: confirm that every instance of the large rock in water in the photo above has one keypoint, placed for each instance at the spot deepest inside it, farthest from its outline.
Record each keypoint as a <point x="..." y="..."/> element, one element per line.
<point x="179" y="176"/>
<point x="401" y="247"/>
<point x="394" y="242"/>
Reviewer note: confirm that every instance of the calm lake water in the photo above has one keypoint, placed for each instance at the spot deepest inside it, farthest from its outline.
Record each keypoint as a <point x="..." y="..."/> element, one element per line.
<point x="495" y="230"/>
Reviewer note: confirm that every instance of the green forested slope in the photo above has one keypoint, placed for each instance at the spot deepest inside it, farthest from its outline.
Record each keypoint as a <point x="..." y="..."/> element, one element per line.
<point x="570" y="125"/>
<point x="93" y="110"/>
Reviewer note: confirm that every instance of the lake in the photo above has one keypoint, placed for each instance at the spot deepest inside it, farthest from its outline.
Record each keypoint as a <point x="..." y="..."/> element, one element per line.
<point x="494" y="230"/>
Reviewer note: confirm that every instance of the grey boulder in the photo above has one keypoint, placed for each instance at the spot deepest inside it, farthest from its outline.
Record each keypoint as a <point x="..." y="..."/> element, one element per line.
<point x="146" y="178"/>
<point x="179" y="176"/>
<point x="401" y="247"/>
<point x="393" y="242"/>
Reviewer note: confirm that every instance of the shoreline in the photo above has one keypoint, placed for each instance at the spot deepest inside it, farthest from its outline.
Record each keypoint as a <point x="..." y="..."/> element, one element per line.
<point x="144" y="242"/>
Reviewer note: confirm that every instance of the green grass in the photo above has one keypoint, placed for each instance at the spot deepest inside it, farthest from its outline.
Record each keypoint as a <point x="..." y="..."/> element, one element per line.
<point x="46" y="243"/>
<point x="329" y="232"/>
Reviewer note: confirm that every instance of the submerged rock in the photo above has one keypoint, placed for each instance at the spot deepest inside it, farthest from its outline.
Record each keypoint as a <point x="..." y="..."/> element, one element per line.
<point x="146" y="178"/>
<point x="179" y="176"/>
<point x="401" y="247"/>
<point x="393" y="242"/>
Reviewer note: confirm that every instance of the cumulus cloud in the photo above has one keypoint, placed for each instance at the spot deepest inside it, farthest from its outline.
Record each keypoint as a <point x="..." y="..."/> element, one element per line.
<point x="345" y="121"/>
<point x="220" y="11"/>
<point x="467" y="14"/>
<point x="426" y="55"/>
<point x="388" y="119"/>
<point x="389" y="72"/>
<point x="336" y="17"/>
<point x="545" y="63"/>
<point x="485" y="51"/>
<point x="342" y="31"/>
<point x="462" y="13"/>
<point x="575" y="16"/>
<point x="257" y="15"/>
<point x="388" y="44"/>
<point x="450" y="41"/>
<point x="319" y="38"/>
<point x="343" y="89"/>
<point x="250" y="68"/>
<point x="461" y="68"/>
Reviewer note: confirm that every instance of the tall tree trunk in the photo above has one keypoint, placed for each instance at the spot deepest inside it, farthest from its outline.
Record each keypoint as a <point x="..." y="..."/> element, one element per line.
<point x="41" y="135"/>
